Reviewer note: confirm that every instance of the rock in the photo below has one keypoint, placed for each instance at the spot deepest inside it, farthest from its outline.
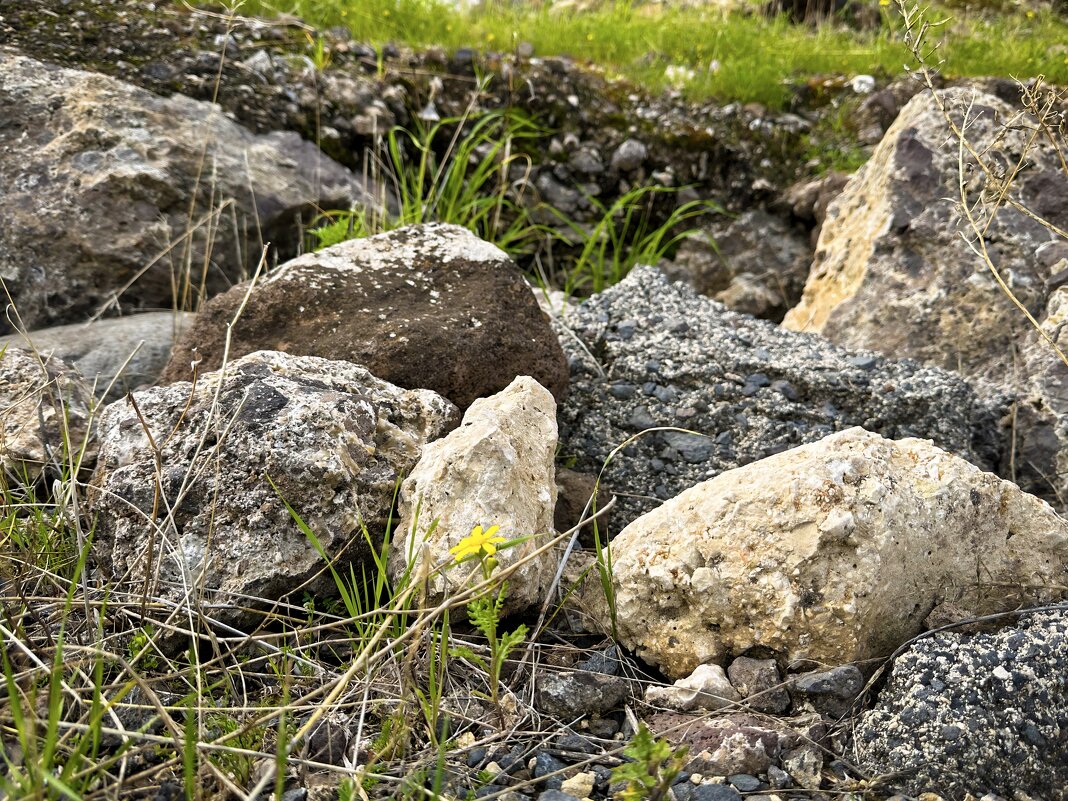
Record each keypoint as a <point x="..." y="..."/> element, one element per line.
<point x="102" y="179"/>
<point x="428" y="306"/>
<point x="733" y="742"/>
<point x="834" y="551"/>
<point x="892" y="272"/>
<point x="829" y="692"/>
<point x="648" y="353"/>
<point x="45" y="415"/>
<point x="496" y="469"/>
<point x="808" y="200"/>
<point x="755" y="264"/>
<point x="715" y="792"/>
<point x="124" y="353"/>
<point x="981" y="713"/>
<point x="573" y="493"/>
<point x="331" y="437"/>
<point x="760" y="684"/>
<point x="629" y="156"/>
<point x="706" y="688"/>
<point x="580" y="785"/>
<point x="805" y="766"/>
<point x="571" y="694"/>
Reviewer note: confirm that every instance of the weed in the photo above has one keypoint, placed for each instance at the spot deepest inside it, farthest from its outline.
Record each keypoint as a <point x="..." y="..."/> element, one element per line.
<point x="653" y="770"/>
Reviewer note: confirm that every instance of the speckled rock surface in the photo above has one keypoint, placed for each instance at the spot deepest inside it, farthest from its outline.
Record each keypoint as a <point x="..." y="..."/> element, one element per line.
<point x="44" y="405"/>
<point x="333" y="438"/>
<point x="124" y="353"/>
<point x="834" y="551"/>
<point x="651" y="353"/>
<point x="983" y="713"/>
<point x="101" y="179"/>
<point x="429" y="306"/>
<point x="496" y="469"/>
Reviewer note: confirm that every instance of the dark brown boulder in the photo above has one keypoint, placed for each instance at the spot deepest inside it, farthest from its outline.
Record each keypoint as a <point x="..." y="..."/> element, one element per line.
<point x="426" y="306"/>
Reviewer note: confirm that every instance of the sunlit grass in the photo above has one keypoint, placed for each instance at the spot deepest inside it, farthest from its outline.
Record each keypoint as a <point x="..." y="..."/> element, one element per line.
<point x="735" y="56"/>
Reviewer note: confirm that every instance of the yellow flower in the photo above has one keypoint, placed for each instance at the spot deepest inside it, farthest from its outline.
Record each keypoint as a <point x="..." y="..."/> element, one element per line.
<point x="884" y="2"/>
<point x="477" y="542"/>
<point x="1030" y="14"/>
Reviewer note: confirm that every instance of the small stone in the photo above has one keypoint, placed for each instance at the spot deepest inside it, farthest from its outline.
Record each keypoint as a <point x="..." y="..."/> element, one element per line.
<point x="759" y="682"/>
<point x="715" y="792"/>
<point x="744" y="783"/>
<point x="580" y="785"/>
<point x="804" y="765"/>
<point x="556" y="795"/>
<point x="630" y="155"/>
<point x="830" y="692"/>
<point x="778" y="778"/>
<point x="706" y="688"/>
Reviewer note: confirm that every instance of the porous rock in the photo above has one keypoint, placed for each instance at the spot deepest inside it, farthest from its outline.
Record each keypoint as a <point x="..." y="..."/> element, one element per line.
<point x="429" y="306"/>
<point x="734" y="742"/>
<point x="759" y="682"/>
<point x="45" y="414"/>
<point x="115" y="355"/>
<point x="893" y="273"/>
<point x="107" y="185"/>
<point x="982" y="713"/>
<point x="829" y="692"/>
<point x="834" y="551"/>
<point x="570" y="694"/>
<point x="331" y="437"/>
<point x="648" y="353"/>
<point x="496" y="469"/>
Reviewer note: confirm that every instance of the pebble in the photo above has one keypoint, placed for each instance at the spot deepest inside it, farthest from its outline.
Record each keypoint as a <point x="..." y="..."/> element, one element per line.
<point x="579" y="785"/>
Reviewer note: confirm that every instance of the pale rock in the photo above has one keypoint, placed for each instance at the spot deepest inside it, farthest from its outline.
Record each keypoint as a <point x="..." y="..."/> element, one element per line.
<point x="45" y="414"/>
<point x="893" y="270"/>
<point x="325" y="436"/>
<point x="496" y="469"/>
<point x="580" y="785"/>
<point x="835" y="551"/>
<point x="706" y="688"/>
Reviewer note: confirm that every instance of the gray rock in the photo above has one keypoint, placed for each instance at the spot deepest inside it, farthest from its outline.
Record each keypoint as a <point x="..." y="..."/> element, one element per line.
<point x="805" y="766"/>
<point x="715" y="792"/>
<point x="101" y="180"/>
<point x="704" y="365"/>
<point x="331" y="437"/>
<point x="123" y="353"/>
<point x="829" y="692"/>
<point x="630" y="155"/>
<point x="45" y="415"/>
<point x="759" y="682"/>
<point x="982" y="713"/>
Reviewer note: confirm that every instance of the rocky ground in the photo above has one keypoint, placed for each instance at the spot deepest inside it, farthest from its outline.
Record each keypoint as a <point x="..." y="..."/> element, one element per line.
<point x="837" y="563"/>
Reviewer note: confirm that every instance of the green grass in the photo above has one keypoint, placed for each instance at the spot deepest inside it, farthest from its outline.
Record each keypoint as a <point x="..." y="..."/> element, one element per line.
<point x="742" y="57"/>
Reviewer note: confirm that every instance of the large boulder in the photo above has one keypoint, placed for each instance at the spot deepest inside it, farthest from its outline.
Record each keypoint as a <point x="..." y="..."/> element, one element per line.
<point x="833" y="552"/>
<point x="651" y="353"/>
<point x="429" y="306"/>
<point x="893" y="272"/>
<point x="114" y="195"/>
<point x="45" y="414"/>
<point x="496" y="469"/>
<point x="983" y="713"/>
<point x="183" y="490"/>
<point x="115" y="355"/>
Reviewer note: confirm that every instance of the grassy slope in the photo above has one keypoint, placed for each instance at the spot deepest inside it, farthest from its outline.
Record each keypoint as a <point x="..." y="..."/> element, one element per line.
<point x="733" y="57"/>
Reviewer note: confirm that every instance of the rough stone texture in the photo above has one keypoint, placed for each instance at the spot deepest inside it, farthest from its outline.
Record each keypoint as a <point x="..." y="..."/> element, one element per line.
<point x="756" y="264"/>
<point x="44" y="406"/>
<point x="706" y="688"/>
<point x="571" y="694"/>
<point x="651" y="353"/>
<point x="759" y="682"/>
<point x="99" y="178"/>
<point x="333" y="438"/>
<point x="496" y="469"/>
<point x="429" y="306"/>
<point x="984" y="713"/>
<point x="124" y="353"/>
<point x="834" y="551"/>
<point x="573" y="493"/>
<point x="829" y="692"/>
<point x="735" y="742"/>
<point x="892" y="272"/>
